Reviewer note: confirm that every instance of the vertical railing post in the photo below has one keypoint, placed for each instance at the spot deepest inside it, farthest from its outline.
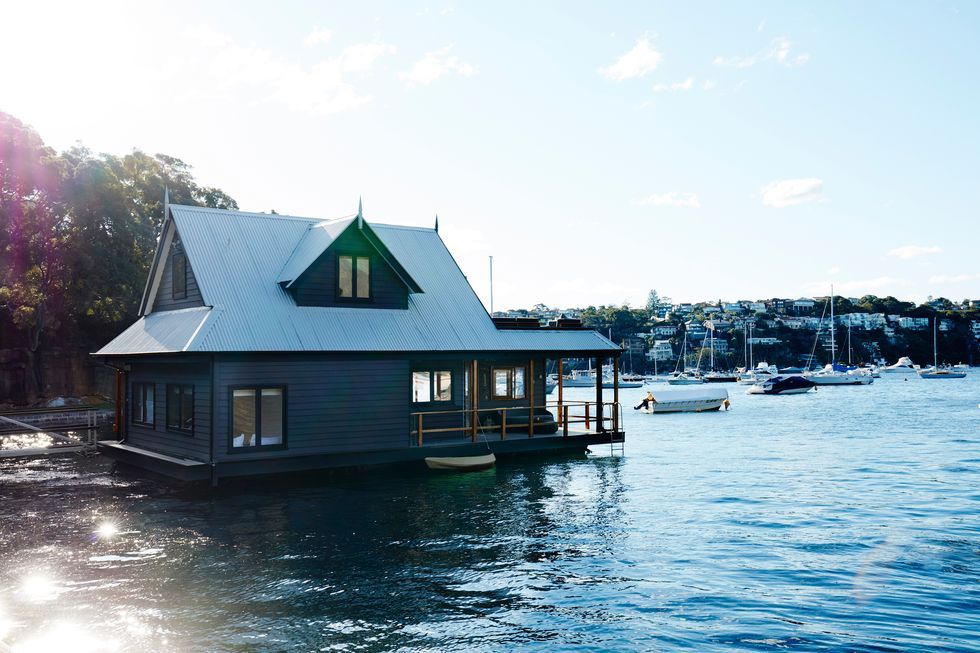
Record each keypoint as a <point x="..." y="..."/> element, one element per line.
<point x="586" y="416"/>
<point x="503" y="423"/>
<point x="564" y="420"/>
<point x="615" y="417"/>
<point x="418" y="432"/>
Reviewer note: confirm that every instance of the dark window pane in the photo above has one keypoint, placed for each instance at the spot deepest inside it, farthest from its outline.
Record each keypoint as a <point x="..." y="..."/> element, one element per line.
<point x="346" y="276"/>
<point x="271" y="416"/>
<point x="363" y="277"/>
<point x="187" y="408"/>
<point x="173" y="406"/>
<point x="243" y="418"/>
<point x="180" y="276"/>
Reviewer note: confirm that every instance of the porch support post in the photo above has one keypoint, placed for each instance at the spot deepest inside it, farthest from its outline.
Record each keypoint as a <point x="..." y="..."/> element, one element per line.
<point x="615" y="407"/>
<point x="530" y="393"/>
<point x="561" y="383"/>
<point x="598" y="395"/>
<point x="474" y="398"/>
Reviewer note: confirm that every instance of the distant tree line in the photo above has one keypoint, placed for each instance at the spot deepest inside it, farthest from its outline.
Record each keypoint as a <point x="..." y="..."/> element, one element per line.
<point x="78" y="231"/>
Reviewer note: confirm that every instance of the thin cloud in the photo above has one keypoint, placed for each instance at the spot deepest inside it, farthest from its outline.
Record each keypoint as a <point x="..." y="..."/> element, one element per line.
<point x="323" y="88"/>
<point x="641" y="60"/>
<point x="686" y="85"/>
<point x="779" y="51"/>
<point x="319" y="36"/>
<point x="955" y="278"/>
<point x="434" y="65"/>
<point x="790" y="192"/>
<point x="914" y="251"/>
<point x="672" y="198"/>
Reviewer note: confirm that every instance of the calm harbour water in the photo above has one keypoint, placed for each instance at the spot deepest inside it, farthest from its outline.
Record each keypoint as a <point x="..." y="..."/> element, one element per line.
<point x="841" y="520"/>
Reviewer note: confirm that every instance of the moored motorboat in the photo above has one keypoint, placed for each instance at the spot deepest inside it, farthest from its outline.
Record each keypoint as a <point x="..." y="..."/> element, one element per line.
<point x="832" y="375"/>
<point x="462" y="463"/>
<point x="782" y="385"/>
<point x="684" y="400"/>
<point x="904" y="365"/>
<point x="762" y="372"/>
<point x="720" y="377"/>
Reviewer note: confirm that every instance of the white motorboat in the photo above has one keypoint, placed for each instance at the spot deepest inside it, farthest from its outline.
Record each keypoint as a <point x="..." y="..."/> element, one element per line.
<point x="830" y="375"/>
<point x="904" y="365"/>
<point x="762" y="372"/>
<point x="579" y="379"/>
<point x="549" y="386"/>
<point x="685" y="400"/>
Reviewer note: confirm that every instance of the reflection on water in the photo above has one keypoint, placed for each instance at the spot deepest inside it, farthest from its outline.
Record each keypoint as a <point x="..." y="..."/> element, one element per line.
<point x="841" y="520"/>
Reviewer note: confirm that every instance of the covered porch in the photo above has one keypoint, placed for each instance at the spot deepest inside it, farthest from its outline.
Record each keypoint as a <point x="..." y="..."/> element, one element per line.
<point x="491" y="415"/>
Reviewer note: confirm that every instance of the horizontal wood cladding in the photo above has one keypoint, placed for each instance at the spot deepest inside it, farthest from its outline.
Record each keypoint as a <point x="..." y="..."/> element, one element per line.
<point x="157" y="437"/>
<point x="318" y="285"/>
<point x="332" y="405"/>
<point x="164" y="300"/>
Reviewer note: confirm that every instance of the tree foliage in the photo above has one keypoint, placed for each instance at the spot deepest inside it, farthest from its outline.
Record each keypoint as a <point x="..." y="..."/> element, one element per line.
<point x="78" y="232"/>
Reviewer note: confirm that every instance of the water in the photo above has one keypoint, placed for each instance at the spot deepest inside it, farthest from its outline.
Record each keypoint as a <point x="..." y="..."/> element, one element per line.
<point x="841" y="520"/>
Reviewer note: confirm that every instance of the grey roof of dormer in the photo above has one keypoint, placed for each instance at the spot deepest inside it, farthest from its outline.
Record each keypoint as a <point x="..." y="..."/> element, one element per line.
<point x="238" y="259"/>
<point x="315" y="241"/>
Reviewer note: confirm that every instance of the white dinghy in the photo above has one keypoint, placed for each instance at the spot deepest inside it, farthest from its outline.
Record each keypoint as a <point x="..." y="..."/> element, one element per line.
<point x="462" y="463"/>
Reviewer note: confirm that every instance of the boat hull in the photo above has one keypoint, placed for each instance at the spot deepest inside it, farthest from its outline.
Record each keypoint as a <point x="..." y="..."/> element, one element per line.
<point x="943" y="375"/>
<point x="686" y="400"/>
<point x="462" y="463"/>
<point x="843" y="379"/>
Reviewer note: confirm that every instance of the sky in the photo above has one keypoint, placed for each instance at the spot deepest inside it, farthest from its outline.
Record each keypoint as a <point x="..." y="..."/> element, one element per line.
<point x="710" y="150"/>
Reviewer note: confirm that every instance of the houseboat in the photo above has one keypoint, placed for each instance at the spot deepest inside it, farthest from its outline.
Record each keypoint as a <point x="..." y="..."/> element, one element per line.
<point x="271" y="344"/>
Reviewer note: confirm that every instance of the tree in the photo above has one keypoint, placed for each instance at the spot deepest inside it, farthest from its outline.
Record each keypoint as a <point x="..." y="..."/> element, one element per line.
<point x="78" y="232"/>
<point x="653" y="302"/>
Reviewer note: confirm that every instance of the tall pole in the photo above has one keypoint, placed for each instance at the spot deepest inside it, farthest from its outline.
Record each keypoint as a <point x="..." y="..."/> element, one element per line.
<point x="491" y="286"/>
<point x="833" y="341"/>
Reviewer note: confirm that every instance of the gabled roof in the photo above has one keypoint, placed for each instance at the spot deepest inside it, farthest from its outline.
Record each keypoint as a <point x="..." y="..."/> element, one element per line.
<point x="239" y="258"/>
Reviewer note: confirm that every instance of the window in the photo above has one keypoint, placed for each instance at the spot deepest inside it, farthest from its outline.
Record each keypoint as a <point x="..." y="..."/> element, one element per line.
<point x="258" y="418"/>
<point x="354" y="277"/>
<point x="179" y="269"/>
<point x="432" y="386"/>
<point x="508" y="383"/>
<point x="143" y="401"/>
<point x="180" y="408"/>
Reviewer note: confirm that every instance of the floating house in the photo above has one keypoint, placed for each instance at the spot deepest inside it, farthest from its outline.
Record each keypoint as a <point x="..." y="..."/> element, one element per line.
<point x="271" y="343"/>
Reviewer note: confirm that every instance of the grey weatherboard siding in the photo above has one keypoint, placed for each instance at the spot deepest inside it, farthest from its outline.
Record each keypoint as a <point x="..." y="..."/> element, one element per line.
<point x="157" y="438"/>
<point x="332" y="405"/>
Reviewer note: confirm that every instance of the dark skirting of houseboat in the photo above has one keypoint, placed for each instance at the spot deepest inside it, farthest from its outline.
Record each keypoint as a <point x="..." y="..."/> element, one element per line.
<point x="183" y="469"/>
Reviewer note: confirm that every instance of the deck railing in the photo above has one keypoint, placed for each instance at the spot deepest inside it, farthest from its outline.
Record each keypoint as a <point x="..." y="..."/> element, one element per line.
<point x="572" y="418"/>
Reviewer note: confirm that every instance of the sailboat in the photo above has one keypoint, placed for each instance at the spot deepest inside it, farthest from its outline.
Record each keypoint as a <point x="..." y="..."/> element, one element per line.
<point x="714" y="376"/>
<point x="937" y="372"/>
<point x="686" y="377"/>
<point x="832" y="373"/>
<point x="761" y="372"/>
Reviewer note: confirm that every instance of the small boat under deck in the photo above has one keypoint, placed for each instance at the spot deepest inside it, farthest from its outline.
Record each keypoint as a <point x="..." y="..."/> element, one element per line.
<point x="462" y="463"/>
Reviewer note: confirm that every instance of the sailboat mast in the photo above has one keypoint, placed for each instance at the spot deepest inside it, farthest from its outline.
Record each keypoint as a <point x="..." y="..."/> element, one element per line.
<point x="751" y="356"/>
<point x="833" y="340"/>
<point x="712" y="353"/>
<point x="935" y="354"/>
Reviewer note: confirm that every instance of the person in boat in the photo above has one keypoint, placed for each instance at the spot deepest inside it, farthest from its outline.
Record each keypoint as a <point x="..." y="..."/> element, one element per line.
<point x="645" y="404"/>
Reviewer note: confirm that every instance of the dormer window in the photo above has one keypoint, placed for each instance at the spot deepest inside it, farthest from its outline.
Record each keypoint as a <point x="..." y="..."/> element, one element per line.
<point x="354" y="277"/>
<point x="179" y="270"/>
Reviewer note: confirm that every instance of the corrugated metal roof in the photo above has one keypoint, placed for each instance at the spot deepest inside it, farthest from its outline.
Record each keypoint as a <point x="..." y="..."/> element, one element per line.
<point x="315" y="241"/>
<point x="165" y="332"/>
<point x="238" y="259"/>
